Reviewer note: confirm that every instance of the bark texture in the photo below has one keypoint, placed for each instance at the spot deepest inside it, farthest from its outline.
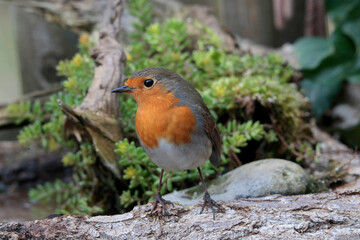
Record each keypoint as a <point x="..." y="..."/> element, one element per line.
<point x="312" y="216"/>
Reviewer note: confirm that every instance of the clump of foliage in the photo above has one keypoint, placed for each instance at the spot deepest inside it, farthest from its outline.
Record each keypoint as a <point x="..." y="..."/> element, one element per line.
<point x="327" y="63"/>
<point x="46" y="120"/>
<point x="230" y="85"/>
<point x="46" y="127"/>
<point x="249" y="96"/>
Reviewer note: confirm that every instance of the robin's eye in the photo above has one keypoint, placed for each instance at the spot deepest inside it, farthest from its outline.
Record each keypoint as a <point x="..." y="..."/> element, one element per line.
<point x="148" y="83"/>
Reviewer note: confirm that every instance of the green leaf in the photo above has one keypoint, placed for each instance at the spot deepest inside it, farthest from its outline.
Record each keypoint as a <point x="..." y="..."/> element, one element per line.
<point x="344" y="47"/>
<point x="320" y="93"/>
<point x="354" y="75"/>
<point x="338" y="10"/>
<point x="322" y="84"/>
<point x="352" y="29"/>
<point x="312" y="51"/>
<point x="355" y="78"/>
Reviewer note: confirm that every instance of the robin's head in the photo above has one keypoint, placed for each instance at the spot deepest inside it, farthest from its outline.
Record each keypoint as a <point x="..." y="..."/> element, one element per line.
<point x="152" y="84"/>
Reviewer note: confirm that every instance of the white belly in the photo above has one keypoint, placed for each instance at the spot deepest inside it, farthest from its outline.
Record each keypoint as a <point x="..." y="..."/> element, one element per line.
<point x="185" y="156"/>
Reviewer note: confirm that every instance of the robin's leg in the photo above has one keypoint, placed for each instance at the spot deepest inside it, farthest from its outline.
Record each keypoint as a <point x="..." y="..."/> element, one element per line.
<point x="159" y="199"/>
<point x="207" y="199"/>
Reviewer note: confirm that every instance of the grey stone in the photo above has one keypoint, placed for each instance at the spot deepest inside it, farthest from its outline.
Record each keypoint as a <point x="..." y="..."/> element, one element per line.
<point x="256" y="179"/>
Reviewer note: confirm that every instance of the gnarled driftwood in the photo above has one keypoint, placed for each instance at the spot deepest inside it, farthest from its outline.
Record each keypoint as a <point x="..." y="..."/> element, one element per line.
<point x="97" y="118"/>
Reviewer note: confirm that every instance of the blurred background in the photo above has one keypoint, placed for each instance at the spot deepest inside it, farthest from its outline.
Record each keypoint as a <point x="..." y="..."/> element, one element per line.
<point x="32" y="47"/>
<point x="320" y="39"/>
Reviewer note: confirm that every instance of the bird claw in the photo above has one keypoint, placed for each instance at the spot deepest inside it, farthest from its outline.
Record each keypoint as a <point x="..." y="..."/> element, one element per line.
<point x="208" y="201"/>
<point x="163" y="202"/>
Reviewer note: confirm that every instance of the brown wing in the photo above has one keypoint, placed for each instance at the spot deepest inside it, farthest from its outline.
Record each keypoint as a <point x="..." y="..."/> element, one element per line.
<point x="214" y="136"/>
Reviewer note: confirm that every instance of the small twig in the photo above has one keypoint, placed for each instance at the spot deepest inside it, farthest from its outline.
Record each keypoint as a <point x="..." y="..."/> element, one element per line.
<point x="235" y="157"/>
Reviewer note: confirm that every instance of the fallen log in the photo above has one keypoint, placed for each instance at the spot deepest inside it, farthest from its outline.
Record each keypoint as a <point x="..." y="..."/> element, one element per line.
<point x="313" y="216"/>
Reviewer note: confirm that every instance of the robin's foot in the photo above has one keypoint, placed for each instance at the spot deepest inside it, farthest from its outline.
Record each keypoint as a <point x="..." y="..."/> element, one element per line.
<point x="163" y="202"/>
<point x="210" y="203"/>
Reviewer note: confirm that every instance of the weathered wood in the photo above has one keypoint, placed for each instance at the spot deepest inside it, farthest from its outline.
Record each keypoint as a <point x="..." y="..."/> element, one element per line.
<point x="97" y="117"/>
<point x="313" y="216"/>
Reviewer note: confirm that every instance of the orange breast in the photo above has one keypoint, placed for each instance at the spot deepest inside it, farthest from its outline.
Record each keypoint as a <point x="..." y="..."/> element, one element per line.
<point x="160" y="117"/>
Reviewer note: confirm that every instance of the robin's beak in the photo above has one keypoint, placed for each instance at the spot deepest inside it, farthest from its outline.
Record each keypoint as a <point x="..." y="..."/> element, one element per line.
<point x="122" y="89"/>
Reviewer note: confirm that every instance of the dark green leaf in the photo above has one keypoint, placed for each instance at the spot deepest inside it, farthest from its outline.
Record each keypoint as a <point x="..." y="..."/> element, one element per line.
<point x="354" y="75"/>
<point x="354" y="78"/>
<point x="352" y="29"/>
<point x="312" y="51"/>
<point x="320" y="94"/>
<point x="338" y="10"/>
<point x="344" y="47"/>
<point x="323" y="83"/>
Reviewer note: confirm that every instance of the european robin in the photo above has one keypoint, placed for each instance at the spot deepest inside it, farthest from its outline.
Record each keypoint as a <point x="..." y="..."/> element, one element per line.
<point x="173" y="124"/>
